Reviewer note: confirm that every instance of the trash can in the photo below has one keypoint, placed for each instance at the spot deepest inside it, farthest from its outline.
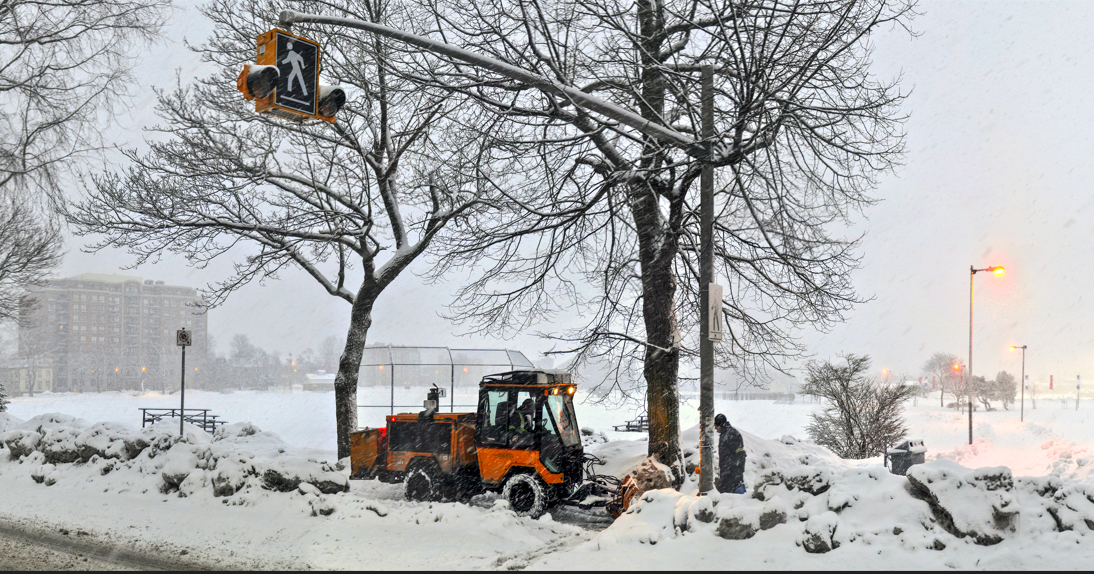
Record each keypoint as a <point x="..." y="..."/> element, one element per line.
<point x="904" y="455"/>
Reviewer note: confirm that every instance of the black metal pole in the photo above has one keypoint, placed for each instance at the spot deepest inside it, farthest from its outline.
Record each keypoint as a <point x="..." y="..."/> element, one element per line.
<point x="972" y="273"/>
<point x="182" y="393"/>
<point x="1022" y="418"/>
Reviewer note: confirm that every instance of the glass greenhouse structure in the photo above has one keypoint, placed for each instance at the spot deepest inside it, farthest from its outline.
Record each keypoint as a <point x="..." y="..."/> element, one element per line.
<point x="394" y="377"/>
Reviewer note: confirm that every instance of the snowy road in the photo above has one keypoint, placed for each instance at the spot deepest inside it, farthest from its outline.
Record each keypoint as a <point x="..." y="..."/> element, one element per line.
<point x="27" y="549"/>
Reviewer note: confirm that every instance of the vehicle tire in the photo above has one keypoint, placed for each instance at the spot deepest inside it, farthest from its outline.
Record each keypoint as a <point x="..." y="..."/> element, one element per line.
<point x="422" y="484"/>
<point x="526" y="494"/>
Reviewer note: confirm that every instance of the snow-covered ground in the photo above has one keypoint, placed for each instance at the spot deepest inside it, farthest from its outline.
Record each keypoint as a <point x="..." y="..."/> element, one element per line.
<point x="232" y="499"/>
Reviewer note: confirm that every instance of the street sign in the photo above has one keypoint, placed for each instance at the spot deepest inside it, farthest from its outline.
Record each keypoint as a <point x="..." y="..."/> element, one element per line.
<point x="182" y="338"/>
<point x="296" y="94"/>
<point x="298" y="67"/>
<point x="714" y="311"/>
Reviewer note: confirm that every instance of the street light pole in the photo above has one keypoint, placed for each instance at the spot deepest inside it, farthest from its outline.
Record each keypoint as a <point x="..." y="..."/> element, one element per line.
<point x="1022" y="381"/>
<point x="972" y="273"/>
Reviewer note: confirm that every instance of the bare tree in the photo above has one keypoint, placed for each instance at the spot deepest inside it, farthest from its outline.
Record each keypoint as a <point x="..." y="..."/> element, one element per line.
<point x="352" y="204"/>
<point x="604" y="218"/>
<point x="862" y="416"/>
<point x="941" y="366"/>
<point x="37" y="346"/>
<point x="241" y="347"/>
<point x="64" y="66"/>
<point x="1005" y="388"/>
<point x="328" y="352"/>
<point x="30" y="248"/>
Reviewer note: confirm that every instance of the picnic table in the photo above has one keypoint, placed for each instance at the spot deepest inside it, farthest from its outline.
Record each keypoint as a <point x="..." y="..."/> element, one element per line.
<point x="640" y="424"/>
<point x="197" y="417"/>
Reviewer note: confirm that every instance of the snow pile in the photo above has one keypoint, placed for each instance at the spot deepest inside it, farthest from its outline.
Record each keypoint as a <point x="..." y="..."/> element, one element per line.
<point x="7" y="421"/>
<point x="804" y="497"/>
<point x="980" y="503"/>
<point x="234" y="463"/>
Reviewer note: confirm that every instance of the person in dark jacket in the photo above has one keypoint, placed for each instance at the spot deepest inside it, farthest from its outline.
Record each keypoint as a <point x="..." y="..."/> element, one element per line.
<point x="731" y="457"/>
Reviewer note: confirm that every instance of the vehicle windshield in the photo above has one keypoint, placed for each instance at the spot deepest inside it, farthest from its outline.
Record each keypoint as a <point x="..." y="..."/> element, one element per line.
<point x="561" y="408"/>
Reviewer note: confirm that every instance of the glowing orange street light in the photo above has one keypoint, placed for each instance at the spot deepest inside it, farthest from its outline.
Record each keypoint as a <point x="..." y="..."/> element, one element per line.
<point x="998" y="271"/>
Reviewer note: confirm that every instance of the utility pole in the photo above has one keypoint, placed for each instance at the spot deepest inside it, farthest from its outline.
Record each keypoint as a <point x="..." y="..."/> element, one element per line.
<point x="706" y="306"/>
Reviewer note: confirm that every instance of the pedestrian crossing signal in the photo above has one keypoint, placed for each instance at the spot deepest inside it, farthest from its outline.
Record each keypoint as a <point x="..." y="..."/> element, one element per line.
<point x="284" y="81"/>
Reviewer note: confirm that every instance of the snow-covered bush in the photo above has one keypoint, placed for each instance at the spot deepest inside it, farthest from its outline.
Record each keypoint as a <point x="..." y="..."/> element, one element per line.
<point x="861" y="417"/>
<point x="239" y="457"/>
<point x="3" y="398"/>
<point x="20" y="442"/>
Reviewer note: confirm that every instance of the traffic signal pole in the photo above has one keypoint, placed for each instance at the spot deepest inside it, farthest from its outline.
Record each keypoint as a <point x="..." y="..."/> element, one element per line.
<point x="624" y="116"/>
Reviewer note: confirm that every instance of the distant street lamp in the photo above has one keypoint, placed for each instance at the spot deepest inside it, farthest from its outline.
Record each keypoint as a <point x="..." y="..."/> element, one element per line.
<point x="1022" y="381"/>
<point x="997" y="270"/>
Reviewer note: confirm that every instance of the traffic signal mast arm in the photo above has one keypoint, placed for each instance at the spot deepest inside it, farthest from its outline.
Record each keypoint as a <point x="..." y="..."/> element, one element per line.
<point x="692" y="146"/>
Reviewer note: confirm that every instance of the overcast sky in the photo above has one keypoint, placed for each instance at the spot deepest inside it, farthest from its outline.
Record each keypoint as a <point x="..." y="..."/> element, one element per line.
<point x="998" y="172"/>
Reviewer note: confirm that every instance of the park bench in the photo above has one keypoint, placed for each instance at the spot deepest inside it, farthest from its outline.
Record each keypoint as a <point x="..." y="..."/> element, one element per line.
<point x="640" y="424"/>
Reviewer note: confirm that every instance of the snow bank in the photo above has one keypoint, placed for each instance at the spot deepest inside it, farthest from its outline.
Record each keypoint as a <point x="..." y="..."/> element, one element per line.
<point x="8" y="422"/>
<point x="230" y="464"/>
<point x="804" y="499"/>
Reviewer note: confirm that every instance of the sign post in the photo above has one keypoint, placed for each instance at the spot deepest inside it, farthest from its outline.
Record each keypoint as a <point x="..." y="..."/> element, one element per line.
<point x="182" y="339"/>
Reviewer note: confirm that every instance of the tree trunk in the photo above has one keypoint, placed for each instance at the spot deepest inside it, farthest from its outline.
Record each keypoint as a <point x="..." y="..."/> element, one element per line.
<point x="349" y="368"/>
<point x="662" y="359"/>
<point x="657" y="251"/>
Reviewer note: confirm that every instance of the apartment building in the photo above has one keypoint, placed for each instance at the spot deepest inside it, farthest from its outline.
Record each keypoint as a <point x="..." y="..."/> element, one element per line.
<point x="20" y="380"/>
<point x="114" y="332"/>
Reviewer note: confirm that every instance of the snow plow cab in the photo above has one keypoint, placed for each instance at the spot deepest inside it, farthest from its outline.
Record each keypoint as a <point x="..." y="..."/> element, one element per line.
<point x="523" y="440"/>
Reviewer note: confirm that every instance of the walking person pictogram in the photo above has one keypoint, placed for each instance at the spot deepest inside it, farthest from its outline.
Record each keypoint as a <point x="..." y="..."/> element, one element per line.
<point x="297" y="61"/>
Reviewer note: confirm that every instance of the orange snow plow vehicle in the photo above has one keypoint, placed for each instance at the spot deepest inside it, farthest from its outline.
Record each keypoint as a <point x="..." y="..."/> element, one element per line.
<point x="523" y="441"/>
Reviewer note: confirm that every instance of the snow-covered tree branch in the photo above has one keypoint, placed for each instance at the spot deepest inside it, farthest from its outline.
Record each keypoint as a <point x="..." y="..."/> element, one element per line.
<point x="352" y="204"/>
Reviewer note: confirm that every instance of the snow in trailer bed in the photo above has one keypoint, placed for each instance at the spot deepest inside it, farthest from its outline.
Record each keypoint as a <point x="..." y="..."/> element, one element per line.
<point x="265" y="492"/>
